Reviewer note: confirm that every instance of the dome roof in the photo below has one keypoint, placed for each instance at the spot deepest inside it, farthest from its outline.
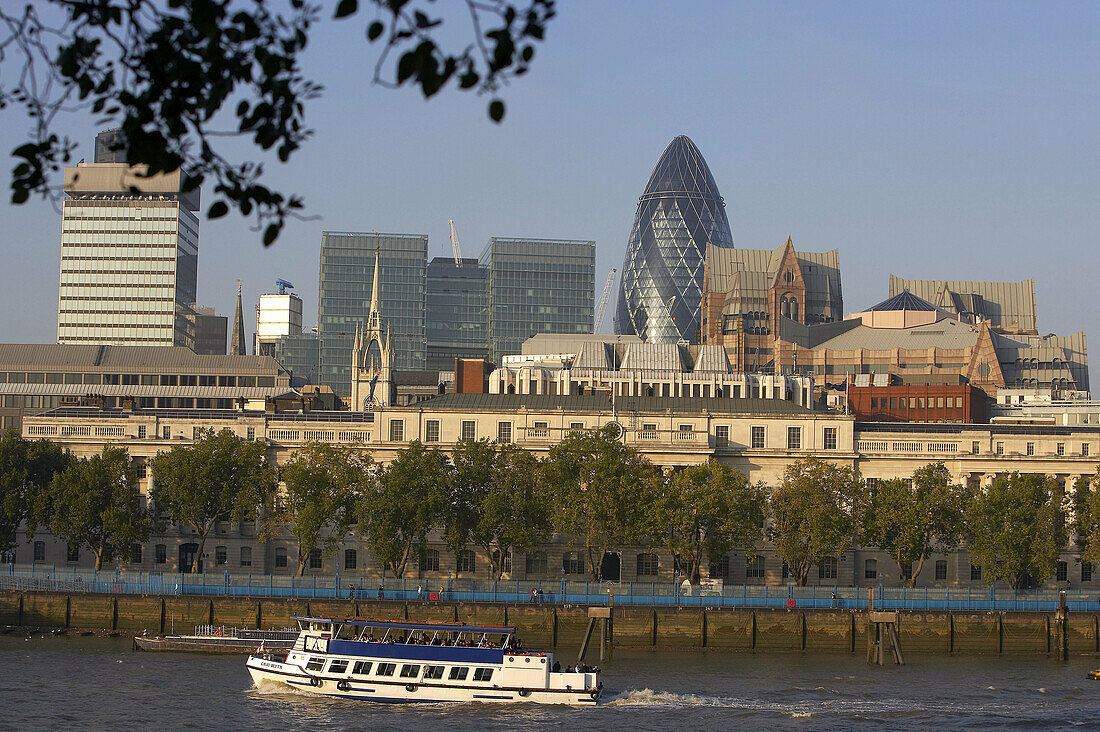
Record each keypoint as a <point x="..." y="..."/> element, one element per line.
<point x="681" y="169"/>
<point x="904" y="300"/>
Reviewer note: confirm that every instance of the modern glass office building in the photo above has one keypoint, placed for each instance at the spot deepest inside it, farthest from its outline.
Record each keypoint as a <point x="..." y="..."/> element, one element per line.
<point x="129" y="261"/>
<point x="457" y="302"/>
<point x="679" y="213"/>
<point x="538" y="286"/>
<point x="344" y="291"/>
<point x="298" y="354"/>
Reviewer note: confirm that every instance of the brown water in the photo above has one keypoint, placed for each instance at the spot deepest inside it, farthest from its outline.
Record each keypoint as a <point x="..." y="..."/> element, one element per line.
<point x="87" y="683"/>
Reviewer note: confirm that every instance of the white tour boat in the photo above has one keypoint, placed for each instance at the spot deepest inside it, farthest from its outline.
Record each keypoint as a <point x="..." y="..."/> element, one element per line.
<point x="396" y="661"/>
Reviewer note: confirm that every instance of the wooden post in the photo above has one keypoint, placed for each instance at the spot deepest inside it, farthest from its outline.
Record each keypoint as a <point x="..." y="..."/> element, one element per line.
<point x="259" y="614"/>
<point x="587" y="638"/>
<point x="68" y="610"/>
<point x="20" y="618"/>
<point x="1063" y="626"/>
<point x="1000" y="632"/>
<point x="951" y="632"/>
<point x="802" y="630"/>
<point x="554" y="629"/>
<point x="851" y="633"/>
<point x="210" y="607"/>
<point x="505" y="614"/>
<point x="163" y="615"/>
<point x="704" y="629"/>
<point x="654" y="628"/>
<point x="753" y="630"/>
<point x="1096" y="633"/>
<point x="603" y="641"/>
<point x="114" y="612"/>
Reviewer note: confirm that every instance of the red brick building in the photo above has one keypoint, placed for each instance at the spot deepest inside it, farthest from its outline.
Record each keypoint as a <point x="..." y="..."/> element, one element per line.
<point x="958" y="402"/>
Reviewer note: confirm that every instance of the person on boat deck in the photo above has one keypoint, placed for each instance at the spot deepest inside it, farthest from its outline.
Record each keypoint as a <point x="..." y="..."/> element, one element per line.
<point x="419" y="591"/>
<point x="381" y="591"/>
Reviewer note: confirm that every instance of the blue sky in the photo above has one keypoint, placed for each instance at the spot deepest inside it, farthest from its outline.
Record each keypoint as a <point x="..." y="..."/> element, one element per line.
<point x="930" y="140"/>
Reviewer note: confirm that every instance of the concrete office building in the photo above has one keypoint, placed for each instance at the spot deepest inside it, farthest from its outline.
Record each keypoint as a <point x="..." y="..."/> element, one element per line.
<point x="277" y="315"/>
<point x="538" y="286"/>
<point x="456" y="309"/>
<point x="347" y="266"/>
<point x="129" y="261"/>
<point x="1008" y="307"/>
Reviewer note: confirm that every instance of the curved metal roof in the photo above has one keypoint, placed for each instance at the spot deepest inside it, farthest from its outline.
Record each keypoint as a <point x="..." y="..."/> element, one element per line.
<point x="681" y="169"/>
<point x="904" y="300"/>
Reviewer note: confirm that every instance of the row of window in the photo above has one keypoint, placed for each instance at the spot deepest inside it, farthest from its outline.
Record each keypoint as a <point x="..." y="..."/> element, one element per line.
<point x="870" y="571"/>
<point x="917" y="402"/>
<point x="339" y="666"/>
<point x="38" y="377"/>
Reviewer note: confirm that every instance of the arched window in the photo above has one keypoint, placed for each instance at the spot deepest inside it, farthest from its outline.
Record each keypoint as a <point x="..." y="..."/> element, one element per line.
<point x="827" y="569"/>
<point x="784" y="307"/>
<point x="315" y="559"/>
<point x="794" y="309"/>
<point x="511" y="388"/>
<point x="870" y="569"/>
<point x="720" y="566"/>
<point x="246" y="556"/>
<point x="571" y="563"/>
<point x="467" y="561"/>
<point x="754" y="567"/>
<point x="647" y="565"/>
<point x="350" y="559"/>
<point x="280" y="557"/>
<point x="160" y="554"/>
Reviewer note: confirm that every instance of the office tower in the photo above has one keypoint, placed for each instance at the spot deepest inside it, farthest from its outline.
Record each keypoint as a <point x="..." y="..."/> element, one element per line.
<point x="538" y="286"/>
<point x="679" y="214"/>
<point x="129" y="260"/>
<point x="456" y="303"/>
<point x="210" y="331"/>
<point x="277" y="315"/>
<point x="299" y="354"/>
<point x="110" y="147"/>
<point x="347" y="269"/>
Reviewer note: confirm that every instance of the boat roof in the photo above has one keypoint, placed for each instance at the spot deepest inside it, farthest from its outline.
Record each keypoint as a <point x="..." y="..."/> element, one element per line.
<point x="447" y="627"/>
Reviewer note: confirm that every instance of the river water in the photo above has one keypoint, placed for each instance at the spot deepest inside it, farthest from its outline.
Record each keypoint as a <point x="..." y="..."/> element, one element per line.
<point x="88" y="683"/>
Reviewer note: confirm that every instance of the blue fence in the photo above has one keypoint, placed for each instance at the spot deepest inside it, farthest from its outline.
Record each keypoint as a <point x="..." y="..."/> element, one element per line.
<point x="47" y="578"/>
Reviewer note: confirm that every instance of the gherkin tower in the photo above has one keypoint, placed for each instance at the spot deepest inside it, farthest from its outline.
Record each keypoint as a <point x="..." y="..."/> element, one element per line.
<point x="679" y="213"/>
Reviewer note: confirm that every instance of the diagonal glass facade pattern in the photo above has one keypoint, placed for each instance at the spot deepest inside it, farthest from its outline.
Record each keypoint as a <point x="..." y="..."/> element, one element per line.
<point x="661" y="291"/>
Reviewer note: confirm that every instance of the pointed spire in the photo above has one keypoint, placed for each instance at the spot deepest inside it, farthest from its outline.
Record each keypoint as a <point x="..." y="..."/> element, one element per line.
<point x="375" y="316"/>
<point x="237" y="346"/>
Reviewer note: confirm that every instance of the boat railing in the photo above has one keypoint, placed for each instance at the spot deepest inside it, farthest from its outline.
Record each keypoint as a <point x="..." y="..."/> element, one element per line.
<point x="567" y="590"/>
<point x="225" y="631"/>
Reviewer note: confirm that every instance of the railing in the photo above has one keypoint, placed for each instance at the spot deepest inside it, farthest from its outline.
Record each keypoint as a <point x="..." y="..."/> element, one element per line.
<point x="46" y="578"/>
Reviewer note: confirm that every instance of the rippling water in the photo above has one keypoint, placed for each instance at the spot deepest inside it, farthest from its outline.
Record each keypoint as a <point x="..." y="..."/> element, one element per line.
<point x="51" y="683"/>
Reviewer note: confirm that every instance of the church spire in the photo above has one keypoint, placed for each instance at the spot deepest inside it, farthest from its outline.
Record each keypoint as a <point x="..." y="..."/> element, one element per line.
<point x="237" y="346"/>
<point x="375" y="305"/>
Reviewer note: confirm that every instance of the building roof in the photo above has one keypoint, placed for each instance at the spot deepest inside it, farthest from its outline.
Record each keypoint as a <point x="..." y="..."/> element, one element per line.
<point x="747" y="274"/>
<point x="946" y="333"/>
<point x="681" y="169"/>
<point x="1006" y="305"/>
<point x="904" y="300"/>
<point x="601" y="403"/>
<point x="129" y="359"/>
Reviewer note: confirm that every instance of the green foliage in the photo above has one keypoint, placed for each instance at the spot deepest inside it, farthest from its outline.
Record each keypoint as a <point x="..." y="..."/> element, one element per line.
<point x="172" y="75"/>
<point x="1086" y="510"/>
<point x="218" y="477"/>
<point x="603" y="492"/>
<point x="408" y="500"/>
<point x="323" y="483"/>
<point x="708" y="510"/>
<point x="911" y="523"/>
<point x="815" y="513"/>
<point x="1015" y="528"/>
<point x="95" y="503"/>
<point x="496" y="501"/>
<point x="26" y="468"/>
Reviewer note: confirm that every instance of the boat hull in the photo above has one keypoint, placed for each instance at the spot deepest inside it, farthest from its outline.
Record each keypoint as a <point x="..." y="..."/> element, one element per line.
<point x="267" y="673"/>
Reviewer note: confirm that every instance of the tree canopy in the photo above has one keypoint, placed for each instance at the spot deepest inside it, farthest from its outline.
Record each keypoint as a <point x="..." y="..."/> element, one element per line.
<point x="815" y="513"/>
<point x="1015" y="528"/>
<point x="95" y="503"/>
<point x="911" y="522"/>
<point x="406" y="502"/>
<point x="178" y="78"/>
<point x="218" y="477"/>
<point x="707" y="510"/>
<point x="26" y="469"/>
<point x="318" y="507"/>
<point x="602" y="491"/>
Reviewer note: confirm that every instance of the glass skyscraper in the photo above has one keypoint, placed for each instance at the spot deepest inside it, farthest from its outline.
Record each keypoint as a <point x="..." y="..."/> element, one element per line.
<point x="457" y="322"/>
<point x="129" y="261"/>
<point x="538" y="286"/>
<point x="679" y="213"/>
<point x="344" y="291"/>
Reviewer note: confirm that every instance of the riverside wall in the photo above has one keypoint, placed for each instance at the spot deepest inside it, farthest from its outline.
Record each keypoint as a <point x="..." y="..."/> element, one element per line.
<point x="562" y="627"/>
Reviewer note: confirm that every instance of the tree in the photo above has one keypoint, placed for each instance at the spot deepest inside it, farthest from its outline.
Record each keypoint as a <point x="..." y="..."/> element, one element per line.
<point x="95" y="503"/>
<point x="497" y="501"/>
<point x="1086" y="509"/>
<point x="318" y="506"/>
<point x="708" y="510"/>
<point x="909" y="523"/>
<point x="1015" y="528"/>
<point x="218" y="477"/>
<point x="178" y="77"/>
<point x="26" y="468"/>
<point x="815" y="512"/>
<point x="602" y="492"/>
<point x="397" y="511"/>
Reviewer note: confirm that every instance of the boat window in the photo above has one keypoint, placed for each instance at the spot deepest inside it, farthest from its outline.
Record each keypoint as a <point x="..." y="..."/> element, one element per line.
<point x="410" y="671"/>
<point x="361" y="667"/>
<point x="338" y="667"/>
<point x="315" y="664"/>
<point x="458" y="673"/>
<point x="433" y="672"/>
<point x="483" y="674"/>
<point x="386" y="669"/>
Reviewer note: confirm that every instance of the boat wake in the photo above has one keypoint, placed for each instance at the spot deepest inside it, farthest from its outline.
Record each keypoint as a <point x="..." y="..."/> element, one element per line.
<point x="651" y="698"/>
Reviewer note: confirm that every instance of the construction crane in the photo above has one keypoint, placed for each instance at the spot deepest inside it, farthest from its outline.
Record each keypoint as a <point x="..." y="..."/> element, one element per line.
<point x="603" y="300"/>
<point x="283" y="286"/>
<point x="454" y="243"/>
